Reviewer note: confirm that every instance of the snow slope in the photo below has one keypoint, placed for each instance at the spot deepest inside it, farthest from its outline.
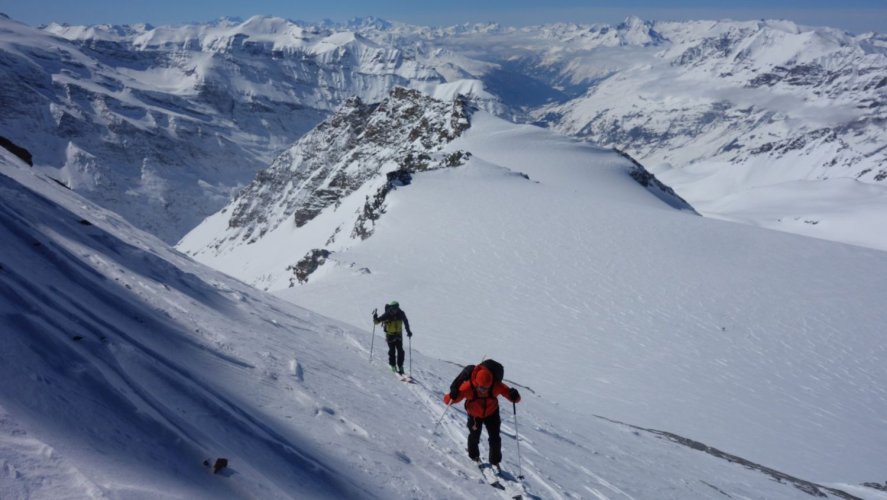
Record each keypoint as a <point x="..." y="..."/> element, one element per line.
<point x="125" y="365"/>
<point x="609" y="302"/>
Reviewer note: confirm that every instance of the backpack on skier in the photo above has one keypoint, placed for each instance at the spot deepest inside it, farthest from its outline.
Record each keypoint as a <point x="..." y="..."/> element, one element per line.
<point x="493" y="366"/>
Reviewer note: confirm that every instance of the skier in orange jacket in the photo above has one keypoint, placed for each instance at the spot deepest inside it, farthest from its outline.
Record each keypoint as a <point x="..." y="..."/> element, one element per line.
<point x="480" y="393"/>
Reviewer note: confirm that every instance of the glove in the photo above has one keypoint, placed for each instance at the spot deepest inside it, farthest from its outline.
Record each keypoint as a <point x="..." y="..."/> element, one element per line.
<point x="513" y="395"/>
<point x="409" y="334"/>
<point x="375" y="317"/>
<point x="447" y="399"/>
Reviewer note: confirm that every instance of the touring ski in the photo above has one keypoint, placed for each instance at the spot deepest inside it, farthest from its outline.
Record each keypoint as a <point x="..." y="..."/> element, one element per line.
<point x="513" y="487"/>
<point x="501" y="480"/>
<point x="490" y="477"/>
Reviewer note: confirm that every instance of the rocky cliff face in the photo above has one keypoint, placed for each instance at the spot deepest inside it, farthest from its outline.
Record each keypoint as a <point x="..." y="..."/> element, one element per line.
<point x="392" y="139"/>
<point x="345" y="167"/>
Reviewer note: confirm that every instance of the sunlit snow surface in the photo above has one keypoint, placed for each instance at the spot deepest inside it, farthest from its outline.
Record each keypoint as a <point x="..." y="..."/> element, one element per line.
<point x="125" y="364"/>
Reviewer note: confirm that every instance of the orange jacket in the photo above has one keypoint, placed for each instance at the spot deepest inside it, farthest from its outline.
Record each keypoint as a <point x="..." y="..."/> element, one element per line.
<point x="477" y="405"/>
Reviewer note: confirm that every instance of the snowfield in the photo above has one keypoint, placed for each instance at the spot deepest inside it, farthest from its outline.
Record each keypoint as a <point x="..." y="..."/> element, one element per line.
<point x="126" y="364"/>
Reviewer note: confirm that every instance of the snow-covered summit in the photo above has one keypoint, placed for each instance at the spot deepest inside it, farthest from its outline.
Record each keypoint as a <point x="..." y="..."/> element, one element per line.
<point x="637" y="32"/>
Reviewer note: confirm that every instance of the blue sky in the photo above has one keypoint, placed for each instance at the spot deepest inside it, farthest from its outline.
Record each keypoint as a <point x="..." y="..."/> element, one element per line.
<point x="852" y="15"/>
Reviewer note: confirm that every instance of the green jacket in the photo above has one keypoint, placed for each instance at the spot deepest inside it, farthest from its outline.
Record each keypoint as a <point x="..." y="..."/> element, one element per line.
<point x="393" y="322"/>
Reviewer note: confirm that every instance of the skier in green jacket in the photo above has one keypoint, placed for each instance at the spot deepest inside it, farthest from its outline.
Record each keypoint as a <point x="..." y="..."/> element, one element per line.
<point x="394" y="320"/>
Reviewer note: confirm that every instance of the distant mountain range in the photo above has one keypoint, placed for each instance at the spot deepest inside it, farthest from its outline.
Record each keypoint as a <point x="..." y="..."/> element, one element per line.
<point x="764" y="122"/>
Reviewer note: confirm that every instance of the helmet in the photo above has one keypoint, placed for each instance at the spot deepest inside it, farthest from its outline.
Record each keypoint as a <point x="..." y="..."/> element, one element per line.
<point x="482" y="378"/>
<point x="394" y="303"/>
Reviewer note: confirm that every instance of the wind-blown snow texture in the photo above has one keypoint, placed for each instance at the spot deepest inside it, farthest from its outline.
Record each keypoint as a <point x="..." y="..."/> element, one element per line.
<point x="546" y="254"/>
<point x="762" y="122"/>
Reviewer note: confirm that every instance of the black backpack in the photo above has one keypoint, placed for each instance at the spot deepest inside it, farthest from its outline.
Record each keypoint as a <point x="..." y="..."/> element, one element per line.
<point x="494" y="366"/>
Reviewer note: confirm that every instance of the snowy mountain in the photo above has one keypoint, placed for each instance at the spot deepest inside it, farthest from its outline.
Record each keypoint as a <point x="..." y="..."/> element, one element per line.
<point x="163" y="124"/>
<point x="609" y="294"/>
<point x="126" y="365"/>
<point x="762" y="122"/>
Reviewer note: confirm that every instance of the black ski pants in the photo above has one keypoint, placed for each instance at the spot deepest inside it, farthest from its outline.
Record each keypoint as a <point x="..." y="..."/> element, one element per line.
<point x="395" y="346"/>
<point x="475" y="425"/>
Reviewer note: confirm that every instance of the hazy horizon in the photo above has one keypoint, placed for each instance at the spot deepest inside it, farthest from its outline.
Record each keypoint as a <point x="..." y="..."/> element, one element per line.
<point x="856" y="16"/>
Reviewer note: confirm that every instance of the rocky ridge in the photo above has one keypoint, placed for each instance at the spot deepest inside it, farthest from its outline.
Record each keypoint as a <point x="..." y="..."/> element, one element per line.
<point x="365" y="149"/>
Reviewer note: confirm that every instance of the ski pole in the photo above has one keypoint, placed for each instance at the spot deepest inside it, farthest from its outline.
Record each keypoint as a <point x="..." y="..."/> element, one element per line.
<point x="374" y="337"/>
<point x="439" y="420"/>
<point x="410" y="338"/>
<point x="520" y="471"/>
